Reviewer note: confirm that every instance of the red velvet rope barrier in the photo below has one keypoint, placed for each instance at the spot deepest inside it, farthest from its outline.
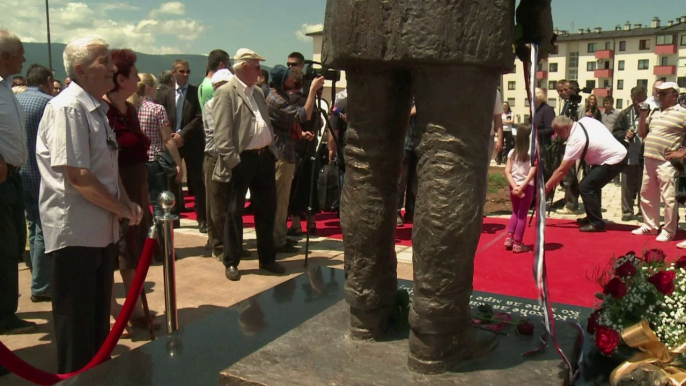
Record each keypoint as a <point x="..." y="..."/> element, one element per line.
<point x="16" y="365"/>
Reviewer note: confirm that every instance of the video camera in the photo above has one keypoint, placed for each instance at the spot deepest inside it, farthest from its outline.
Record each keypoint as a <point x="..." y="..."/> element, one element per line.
<point x="574" y="100"/>
<point x="311" y="72"/>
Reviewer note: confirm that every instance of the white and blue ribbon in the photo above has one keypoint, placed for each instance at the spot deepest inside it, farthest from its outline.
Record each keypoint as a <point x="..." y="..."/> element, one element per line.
<point x="540" y="274"/>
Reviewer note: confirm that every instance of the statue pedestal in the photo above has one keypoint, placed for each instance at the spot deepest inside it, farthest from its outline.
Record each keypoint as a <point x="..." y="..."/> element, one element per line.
<point x="320" y="352"/>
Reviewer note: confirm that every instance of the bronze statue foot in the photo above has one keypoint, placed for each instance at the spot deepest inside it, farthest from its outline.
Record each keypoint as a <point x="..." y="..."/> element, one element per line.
<point x="369" y="325"/>
<point x="436" y="354"/>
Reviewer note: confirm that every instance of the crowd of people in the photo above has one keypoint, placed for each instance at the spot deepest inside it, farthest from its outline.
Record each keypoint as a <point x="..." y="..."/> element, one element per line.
<point x="82" y="164"/>
<point x="641" y="147"/>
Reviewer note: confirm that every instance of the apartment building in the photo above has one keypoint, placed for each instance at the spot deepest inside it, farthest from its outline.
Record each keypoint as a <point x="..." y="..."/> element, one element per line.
<point x="608" y="62"/>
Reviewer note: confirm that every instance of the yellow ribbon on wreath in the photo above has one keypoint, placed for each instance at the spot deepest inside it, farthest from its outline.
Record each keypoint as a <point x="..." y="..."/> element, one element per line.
<point x="655" y="355"/>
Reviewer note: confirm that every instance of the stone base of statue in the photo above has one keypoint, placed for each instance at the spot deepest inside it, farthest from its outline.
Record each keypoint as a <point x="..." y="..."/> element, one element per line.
<point x="321" y="351"/>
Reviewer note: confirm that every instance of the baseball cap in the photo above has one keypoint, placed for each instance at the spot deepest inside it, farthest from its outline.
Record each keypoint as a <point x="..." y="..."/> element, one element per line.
<point x="279" y="74"/>
<point x="668" y="85"/>
<point x="222" y="75"/>
<point x="244" y="54"/>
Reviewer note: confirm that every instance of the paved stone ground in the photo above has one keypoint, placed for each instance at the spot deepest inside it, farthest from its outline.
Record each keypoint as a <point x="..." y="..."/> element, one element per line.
<point x="202" y="287"/>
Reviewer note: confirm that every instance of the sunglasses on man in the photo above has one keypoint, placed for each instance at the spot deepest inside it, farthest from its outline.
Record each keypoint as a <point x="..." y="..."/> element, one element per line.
<point x="184" y="72"/>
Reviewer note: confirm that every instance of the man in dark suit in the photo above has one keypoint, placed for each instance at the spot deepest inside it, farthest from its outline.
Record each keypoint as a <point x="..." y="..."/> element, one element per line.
<point x="183" y="109"/>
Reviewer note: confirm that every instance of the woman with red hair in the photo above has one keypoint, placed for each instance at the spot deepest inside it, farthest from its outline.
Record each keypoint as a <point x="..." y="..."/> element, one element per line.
<point x="133" y="149"/>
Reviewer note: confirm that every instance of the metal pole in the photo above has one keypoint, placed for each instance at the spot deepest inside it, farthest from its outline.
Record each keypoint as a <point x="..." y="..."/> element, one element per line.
<point x="167" y="201"/>
<point x="47" y="17"/>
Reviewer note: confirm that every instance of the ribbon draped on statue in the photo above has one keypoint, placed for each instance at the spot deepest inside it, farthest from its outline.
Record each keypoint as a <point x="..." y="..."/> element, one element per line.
<point x="540" y="274"/>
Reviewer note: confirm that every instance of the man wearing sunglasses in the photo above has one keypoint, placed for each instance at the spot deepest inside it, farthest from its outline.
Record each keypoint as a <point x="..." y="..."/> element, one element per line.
<point x="663" y="132"/>
<point x="183" y="108"/>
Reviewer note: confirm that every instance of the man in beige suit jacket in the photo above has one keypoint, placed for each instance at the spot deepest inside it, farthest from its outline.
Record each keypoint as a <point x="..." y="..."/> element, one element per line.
<point x="247" y="154"/>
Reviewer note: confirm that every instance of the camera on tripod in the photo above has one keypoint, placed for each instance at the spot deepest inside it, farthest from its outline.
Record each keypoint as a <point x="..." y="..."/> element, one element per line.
<point x="311" y="72"/>
<point x="574" y="100"/>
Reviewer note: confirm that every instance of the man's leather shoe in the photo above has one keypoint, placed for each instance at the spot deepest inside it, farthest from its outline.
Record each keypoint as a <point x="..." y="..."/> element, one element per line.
<point x="583" y="221"/>
<point x="202" y="227"/>
<point x="232" y="273"/>
<point x="40" y="298"/>
<point x="17" y="326"/>
<point x="273" y="268"/>
<point x="628" y="217"/>
<point x="592" y="228"/>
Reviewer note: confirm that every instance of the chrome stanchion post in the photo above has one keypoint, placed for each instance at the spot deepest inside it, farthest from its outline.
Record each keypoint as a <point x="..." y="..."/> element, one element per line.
<point x="167" y="201"/>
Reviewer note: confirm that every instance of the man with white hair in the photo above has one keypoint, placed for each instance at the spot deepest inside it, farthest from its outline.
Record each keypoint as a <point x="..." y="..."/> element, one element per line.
<point x="216" y="191"/>
<point x="588" y="140"/>
<point x="81" y="201"/>
<point x="13" y="155"/>
<point x="246" y="159"/>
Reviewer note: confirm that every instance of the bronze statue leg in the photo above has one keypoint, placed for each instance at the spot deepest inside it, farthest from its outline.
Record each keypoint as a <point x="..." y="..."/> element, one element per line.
<point x="455" y="108"/>
<point x="379" y="108"/>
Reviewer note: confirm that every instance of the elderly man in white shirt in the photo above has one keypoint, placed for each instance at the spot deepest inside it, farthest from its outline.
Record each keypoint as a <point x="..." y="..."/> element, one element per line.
<point x="81" y="202"/>
<point x="588" y="140"/>
<point x="13" y="155"/>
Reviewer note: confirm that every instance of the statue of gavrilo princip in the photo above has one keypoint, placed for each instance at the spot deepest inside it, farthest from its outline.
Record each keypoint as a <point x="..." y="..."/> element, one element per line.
<point x="448" y="55"/>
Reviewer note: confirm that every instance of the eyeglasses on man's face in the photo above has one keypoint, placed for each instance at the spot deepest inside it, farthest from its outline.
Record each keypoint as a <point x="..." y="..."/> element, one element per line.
<point x="184" y="72"/>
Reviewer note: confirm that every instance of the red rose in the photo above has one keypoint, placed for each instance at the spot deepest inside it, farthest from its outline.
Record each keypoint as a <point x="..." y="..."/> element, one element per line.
<point x="681" y="263"/>
<point x="593" y="322"/>
<point x="663" y="281"/>
<point x="525" y="328"/>
<point x="606" y="339"/>
<point x="654" y="256"/>
<point x="615" y="287"/>
<point x="626" y="270"/>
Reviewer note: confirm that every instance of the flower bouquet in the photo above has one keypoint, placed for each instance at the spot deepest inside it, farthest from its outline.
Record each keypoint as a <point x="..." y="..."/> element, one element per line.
<point x="637" y="289"/>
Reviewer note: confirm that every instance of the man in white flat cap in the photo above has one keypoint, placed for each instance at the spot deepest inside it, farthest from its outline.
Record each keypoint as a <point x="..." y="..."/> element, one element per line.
<point x="246" y="158"/>
<point x="663" y="132"/>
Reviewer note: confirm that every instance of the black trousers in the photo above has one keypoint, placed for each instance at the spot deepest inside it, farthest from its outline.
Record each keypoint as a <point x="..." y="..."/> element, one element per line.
<point x="12" y="244"/>
<point x="571" y="184"/>
<point x="255" y="172"/>
<point x="82" y="280"/>
<point x="509" y="145"/>
<point x="216" y="193"/>
<point x="590" y="189"/>
<point x="196" y="184"/>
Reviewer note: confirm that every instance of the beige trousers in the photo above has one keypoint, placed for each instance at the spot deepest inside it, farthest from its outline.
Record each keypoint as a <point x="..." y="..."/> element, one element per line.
<point x="284" y="178"/>
<point x="658" y="183"/>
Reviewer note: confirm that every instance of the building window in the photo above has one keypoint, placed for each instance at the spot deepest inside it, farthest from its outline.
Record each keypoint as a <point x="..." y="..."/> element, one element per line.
<point x="681" y="81"/>
<point x="590" y="66"/>
<point x="608" y="45"/>
<point x="620" y="103"/>
<point x="574" y="60"/>
<point x="590" y="84"/>
<point x="643" y="64"/>
<point x="591" y="47"/>
<point x="573" y="74"/>
<point x="539" y="83"/>
<point x="665" y="39"/>
<point x="642" y="82"/>
<point x="644" y="44"/>
<point x="664" y="61"/>
<point x="683" y="40"/>
<point x="552" y="102"/>
<point x="511" y="85"/>
<point x="620" y="65"/>
<point x="622" y="45"/>
<point x="553" y="67"/>
<point x="526" y="102"/>
<point x="606" y="83"/>
<point x="552" y="85"/>
<point x="620" y="84"/>
<point x="511" y="102"/>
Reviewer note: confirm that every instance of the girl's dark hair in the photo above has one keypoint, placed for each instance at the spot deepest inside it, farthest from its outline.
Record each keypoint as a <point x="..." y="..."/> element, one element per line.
<point x="522" y="143"/>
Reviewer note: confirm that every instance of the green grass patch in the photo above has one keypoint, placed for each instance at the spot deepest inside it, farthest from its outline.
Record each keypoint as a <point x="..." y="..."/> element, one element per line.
<point x="496" y="182"/>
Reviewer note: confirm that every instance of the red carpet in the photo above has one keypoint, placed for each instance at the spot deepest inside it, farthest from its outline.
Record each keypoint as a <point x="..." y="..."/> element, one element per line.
<point x="572" y="257"/>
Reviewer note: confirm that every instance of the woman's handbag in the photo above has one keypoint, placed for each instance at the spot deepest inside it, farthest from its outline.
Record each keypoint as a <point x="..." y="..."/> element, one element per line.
<point x="167" y="164"/>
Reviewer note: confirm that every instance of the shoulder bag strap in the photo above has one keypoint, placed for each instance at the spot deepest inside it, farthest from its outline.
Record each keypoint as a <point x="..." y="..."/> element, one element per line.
<point x="583" y="154"/>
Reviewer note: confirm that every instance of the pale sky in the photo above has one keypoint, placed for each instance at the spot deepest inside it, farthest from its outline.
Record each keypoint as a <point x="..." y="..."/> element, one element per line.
<point x="273" y="28"/>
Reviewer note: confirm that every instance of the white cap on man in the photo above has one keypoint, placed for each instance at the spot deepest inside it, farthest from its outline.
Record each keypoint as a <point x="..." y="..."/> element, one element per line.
<point x="669" y="85"/>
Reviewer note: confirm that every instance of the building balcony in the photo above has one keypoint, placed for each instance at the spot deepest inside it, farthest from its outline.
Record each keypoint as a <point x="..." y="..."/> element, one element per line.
<point x="666" y="49"/>
<point x="604" y="73"/>
<point x="605" y="54"/>
<point x="602" y="92"/>
<point x="664" y="70"/>
<point x="541" y="74"/>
